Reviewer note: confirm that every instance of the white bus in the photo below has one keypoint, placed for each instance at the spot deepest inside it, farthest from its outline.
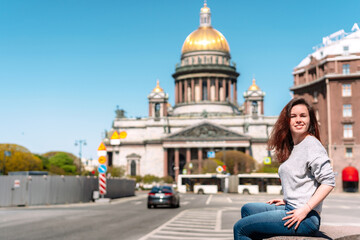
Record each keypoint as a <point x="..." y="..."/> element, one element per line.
<point x="254" y="183"/>
<point x="203" y="183"/>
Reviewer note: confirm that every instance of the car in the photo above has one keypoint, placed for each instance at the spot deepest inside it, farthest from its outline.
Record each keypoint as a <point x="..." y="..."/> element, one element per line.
<point x="163" y="195"/>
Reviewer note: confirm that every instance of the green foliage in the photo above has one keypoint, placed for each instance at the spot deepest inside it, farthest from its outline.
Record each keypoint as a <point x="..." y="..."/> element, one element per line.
<point x="210" y="165"/>
<point x="116" y="171"/>
<point x="168" y="179"/>
<point x="137" y="178"/>
<point x="62" y="163"/>
<point x="21" y="159"/>
<point x="44" y="160"/>
<point x="270" y="168"/>
<point x="150" y="178"/>
<point x="237" y="162"/>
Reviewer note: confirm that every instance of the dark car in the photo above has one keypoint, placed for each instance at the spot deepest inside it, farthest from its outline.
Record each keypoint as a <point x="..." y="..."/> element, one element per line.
<point x="163" y="195"/>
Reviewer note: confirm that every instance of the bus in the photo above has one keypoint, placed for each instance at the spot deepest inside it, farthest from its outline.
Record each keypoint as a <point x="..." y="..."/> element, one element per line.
<point x="203" y="183"/>
<point x="255" y="183"/>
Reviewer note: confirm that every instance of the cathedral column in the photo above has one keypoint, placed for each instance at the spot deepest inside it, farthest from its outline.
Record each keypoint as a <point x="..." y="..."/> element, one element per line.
<point x="235" y="92"/>
<point x="217" y="89"/>
<point x="200" y="158"/>
<point x="186" y="90"/>
<point x="208" y="89"/>
<point x="176" y="168"/>
<point x="150" y="109"/>
<point x="193" y="90"/>
<point x="188" y="159"/>
<point x="180" y="92"/>
<point x="176" y="92"/>
<point x="224" y="89"/>
<point x="229" y="90"/>
<point x="200" y="87"/>
<point x="165" y="162"/>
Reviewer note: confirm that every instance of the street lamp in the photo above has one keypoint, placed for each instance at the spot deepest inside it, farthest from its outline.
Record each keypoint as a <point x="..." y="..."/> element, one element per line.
<point x="80" y="143"/>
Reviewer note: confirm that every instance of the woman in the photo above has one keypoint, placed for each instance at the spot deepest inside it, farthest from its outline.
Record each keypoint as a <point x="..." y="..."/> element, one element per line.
<point x="306" y="177"/>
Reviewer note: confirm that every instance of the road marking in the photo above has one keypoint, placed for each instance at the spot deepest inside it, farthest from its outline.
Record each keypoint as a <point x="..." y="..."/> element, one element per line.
<point x="209" y="199"/>
<point x="194" y="224"/>
<point x="138" y="202"/>
<point x="229" y="200"/>
<point x="185" y="203"/>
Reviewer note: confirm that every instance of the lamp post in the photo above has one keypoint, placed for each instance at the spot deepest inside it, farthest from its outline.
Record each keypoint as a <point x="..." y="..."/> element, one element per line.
<point x="80" y="143"/>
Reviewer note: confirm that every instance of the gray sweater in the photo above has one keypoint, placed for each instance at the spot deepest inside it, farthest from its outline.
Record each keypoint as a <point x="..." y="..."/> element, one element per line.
<point x="307" y="167"/>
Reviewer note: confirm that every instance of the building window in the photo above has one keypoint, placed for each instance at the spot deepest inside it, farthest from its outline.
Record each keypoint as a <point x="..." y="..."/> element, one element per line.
<point x="346" y="69"/>
<point x="133" y="168"/>
<point x="317" y="115"/>
<point x="347" y="111"/>
<point x="348" y="131"/>
<point x="348" y="152"/>
<point x="315" y="97"/>
<point x="346" y="90"/>
<point x="346" y="50"/>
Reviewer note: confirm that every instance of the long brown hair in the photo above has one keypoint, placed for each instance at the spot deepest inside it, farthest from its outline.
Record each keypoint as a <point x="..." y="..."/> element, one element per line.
<point x="280" y="139"/>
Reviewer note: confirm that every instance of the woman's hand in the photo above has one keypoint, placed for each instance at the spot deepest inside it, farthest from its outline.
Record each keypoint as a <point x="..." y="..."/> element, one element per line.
<point x="277" y="202"/>
<point x="296" y="216"/>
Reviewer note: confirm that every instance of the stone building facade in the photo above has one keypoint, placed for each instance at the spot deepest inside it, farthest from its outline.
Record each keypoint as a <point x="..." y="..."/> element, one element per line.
<point x="329" y="78"/>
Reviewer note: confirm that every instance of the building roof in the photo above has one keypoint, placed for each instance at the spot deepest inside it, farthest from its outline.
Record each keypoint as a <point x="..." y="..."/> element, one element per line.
<point x="205" y="37"/>
<point x="338" y="43"/>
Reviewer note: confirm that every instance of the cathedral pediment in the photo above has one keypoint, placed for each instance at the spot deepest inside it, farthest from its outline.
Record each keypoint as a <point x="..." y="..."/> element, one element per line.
<point x="206" y="131"/>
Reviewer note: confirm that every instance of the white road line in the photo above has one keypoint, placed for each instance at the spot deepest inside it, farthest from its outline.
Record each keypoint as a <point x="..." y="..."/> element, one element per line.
<point x="187" y="225"/>
<point x="137" y="202"/>
<point x="185" y="203"/>
<point x="218" y="220"/>
<point x="229" y="200"/>
<point x="209" y="199"/>
<point x="162" y="226"/>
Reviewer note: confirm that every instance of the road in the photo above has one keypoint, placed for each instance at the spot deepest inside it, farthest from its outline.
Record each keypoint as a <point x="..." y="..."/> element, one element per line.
<point x="199" y="217"/>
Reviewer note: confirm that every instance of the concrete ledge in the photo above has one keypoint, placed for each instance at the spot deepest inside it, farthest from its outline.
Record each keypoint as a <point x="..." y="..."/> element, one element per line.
<point x="328" y="232"/>
<point x="102" y="200"/>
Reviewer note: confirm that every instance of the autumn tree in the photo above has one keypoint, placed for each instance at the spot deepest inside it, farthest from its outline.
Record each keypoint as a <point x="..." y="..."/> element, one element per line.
<point x="20" y="159"/>
<point x="237" y="162"/>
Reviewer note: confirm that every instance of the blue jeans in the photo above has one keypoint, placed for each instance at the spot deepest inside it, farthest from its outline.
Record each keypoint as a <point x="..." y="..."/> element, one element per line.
<point x="262" y="220"/>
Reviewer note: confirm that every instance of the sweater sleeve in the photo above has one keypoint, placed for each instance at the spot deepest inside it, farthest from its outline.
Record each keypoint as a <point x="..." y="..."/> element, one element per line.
<point x="320" y="167"/>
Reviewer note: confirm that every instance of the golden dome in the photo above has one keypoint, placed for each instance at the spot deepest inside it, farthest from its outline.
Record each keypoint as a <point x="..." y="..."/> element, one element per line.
<point x="205" y="38"/>
<point x="254" y="87"/>
<point x="205" y="9"/>
<point x="157" y="88"/>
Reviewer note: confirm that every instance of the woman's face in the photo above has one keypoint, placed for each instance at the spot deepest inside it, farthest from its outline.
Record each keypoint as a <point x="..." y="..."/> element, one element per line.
<point x="299" y="120"/>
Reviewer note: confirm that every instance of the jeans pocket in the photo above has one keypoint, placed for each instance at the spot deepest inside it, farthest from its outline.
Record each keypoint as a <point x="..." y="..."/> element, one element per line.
<point x="309" y="226"/>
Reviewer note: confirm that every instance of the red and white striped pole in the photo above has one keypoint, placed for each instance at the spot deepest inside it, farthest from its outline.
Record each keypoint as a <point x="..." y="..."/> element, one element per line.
<point x="102" y="184"/>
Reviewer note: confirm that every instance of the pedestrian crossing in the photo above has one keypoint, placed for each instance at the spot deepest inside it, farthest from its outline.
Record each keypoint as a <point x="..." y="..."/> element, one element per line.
<point x="192" y="224"/>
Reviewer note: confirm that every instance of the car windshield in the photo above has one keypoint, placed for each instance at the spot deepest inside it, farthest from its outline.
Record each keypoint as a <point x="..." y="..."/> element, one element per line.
<point x="163" y="189"/>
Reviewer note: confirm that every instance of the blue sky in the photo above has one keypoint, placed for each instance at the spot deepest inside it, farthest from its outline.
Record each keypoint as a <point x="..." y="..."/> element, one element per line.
<point x="66" y="64"/>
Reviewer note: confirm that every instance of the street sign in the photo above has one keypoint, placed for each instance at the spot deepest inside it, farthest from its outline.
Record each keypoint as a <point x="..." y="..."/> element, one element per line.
<point x="123" y="134"/>
<point x="115" y="138"/>
<point x="102" y="160"/>
<point x="16" y="183"/>
<point x="267" y="160"/>
<point x="102" y="168"/>
<point x="101" y="150"/>
<point x="211" y="154"/>
<point x="219" y="169"/>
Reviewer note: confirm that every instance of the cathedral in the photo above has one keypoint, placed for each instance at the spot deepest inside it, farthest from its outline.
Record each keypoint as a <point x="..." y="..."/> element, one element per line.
<point x="205" y="118"/>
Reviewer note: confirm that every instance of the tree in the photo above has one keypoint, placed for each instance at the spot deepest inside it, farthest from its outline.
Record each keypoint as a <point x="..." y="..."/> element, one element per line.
<point x="116" y="171"/>
<point x="21" y="159"/>
<point x="237" y="162"/>
<point x="62" y="163"/>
